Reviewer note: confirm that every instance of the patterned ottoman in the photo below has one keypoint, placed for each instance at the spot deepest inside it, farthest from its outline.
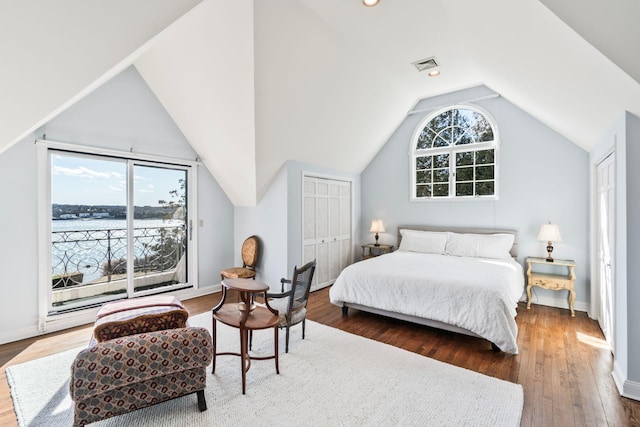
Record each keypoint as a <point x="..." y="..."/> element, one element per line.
<point x="135" y="316"/>
<point x="142" y="353"/>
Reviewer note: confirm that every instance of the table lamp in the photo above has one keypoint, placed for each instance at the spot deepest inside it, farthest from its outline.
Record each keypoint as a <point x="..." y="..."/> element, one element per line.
<point x="377" y="227"/>
<point x="549" y="233"/>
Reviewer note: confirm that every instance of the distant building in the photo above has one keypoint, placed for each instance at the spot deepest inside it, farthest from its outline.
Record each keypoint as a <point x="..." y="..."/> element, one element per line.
<point x="84" y="215"/>
<point x="68" y="216"/>
<point x="101" y="215"/>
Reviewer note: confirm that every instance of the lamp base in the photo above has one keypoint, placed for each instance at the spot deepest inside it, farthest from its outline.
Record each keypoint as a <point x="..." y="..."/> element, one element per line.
<point x="376" y="243"/>
<point x="549" y="250"/>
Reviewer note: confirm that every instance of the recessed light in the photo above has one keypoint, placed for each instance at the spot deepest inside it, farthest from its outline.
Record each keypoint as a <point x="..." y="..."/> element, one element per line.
<point x="434" y="73"/>
<point x="370" y="3"/>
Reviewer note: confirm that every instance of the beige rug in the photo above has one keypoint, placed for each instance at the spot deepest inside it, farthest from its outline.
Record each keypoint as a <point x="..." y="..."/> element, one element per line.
<point x="332" y="378"/>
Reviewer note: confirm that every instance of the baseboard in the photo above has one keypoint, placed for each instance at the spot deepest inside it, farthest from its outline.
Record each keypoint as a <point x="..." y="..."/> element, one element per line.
<point x="626" y="388"/>
<point x="84" y="317"/>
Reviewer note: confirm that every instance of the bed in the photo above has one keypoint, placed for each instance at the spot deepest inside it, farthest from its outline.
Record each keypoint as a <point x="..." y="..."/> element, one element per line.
<point x="462" y="280"/>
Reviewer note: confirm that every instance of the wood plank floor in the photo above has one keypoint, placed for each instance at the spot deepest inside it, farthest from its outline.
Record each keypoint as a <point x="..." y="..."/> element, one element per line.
<point x="562" y="365"/>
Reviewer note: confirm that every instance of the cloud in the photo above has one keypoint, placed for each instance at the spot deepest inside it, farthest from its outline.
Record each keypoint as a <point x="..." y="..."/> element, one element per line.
<point x="84" y="172"/>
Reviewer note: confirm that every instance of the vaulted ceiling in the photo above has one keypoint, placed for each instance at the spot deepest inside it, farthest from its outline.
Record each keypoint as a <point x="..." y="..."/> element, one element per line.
<point x="252" y="84"/>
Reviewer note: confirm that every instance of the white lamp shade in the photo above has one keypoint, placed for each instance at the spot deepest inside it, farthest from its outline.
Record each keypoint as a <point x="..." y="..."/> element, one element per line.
<point x="549" y="233"/>
<point x="376" y="226"/>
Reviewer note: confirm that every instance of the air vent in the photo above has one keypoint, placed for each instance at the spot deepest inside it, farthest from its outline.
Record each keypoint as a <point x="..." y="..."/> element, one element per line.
<point x="426" y="64"/>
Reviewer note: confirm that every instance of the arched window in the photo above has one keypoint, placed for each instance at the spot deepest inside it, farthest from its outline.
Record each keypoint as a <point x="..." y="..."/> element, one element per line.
<point x="454" y="155"/>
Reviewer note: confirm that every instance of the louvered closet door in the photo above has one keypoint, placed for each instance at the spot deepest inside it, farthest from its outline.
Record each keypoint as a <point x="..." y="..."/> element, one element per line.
<point x="327" y="227"/>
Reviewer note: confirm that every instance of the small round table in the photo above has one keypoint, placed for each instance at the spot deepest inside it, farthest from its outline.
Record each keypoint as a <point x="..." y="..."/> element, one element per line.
<point x="245" y="316"/>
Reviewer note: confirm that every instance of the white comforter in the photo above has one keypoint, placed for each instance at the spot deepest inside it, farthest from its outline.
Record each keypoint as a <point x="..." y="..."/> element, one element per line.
<point x="476" y="294"/>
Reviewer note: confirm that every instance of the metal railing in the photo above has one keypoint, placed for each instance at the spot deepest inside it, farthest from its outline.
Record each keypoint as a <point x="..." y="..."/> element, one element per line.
<point x="81" y="257"/>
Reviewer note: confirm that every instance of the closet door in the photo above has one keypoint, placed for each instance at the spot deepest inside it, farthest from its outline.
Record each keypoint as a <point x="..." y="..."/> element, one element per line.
<point x="326" y="227"/>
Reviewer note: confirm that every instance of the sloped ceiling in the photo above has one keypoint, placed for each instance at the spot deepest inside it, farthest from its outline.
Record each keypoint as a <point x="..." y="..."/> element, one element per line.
<point x="253" y="84"/>
<point x="54" y="52"/>
<point x="612" y="27"/>
<point x="201" y="70"/>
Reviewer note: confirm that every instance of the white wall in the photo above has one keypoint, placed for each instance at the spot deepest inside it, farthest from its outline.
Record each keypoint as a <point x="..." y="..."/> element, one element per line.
<point x="122" y="115"/>
<point x="633" y="247"/>
<point x="268" y="220"/>
<point x="543" y="177"/>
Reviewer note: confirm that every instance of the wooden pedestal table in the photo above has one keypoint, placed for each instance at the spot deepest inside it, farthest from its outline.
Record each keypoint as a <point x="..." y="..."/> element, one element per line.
<point x="245" y="316"/>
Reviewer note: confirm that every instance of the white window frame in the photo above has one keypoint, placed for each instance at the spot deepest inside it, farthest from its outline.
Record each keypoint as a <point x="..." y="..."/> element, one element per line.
<point x="414" y="153"/>
<point x="44" y="148"/>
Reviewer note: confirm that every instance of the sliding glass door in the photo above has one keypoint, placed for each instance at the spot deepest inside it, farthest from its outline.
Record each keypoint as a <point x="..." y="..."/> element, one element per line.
<point x="119" y="228"/>
<point x="159" y="227"/>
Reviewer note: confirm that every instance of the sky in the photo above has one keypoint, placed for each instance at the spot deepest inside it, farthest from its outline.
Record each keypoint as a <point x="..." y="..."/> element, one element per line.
<point x="93" y="181"/>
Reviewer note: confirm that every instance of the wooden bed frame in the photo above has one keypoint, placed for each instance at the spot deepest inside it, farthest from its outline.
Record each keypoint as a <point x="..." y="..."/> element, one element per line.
<point x="422" y="320"/>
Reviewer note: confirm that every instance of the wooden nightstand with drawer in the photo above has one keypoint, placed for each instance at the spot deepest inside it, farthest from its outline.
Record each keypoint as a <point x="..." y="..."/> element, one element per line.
<point x="562" y="277"/>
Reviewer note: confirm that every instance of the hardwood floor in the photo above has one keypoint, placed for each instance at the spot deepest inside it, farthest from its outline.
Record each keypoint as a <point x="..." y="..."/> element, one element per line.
<point x="562" y="365"/>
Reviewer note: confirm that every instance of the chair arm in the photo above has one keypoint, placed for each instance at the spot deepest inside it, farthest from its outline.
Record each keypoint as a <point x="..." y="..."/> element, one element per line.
<point x="281" y="295"/>
<point x="114" y="363"/>
<point x="282" y="282"/>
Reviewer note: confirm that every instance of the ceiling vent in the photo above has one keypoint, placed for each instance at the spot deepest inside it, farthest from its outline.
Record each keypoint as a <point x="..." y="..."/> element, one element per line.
<point x="426" y="64"/>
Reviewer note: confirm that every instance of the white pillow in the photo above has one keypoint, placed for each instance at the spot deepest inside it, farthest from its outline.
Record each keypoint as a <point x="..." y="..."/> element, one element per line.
<point x="428" y="242"/>
<point x="480" y="245"/>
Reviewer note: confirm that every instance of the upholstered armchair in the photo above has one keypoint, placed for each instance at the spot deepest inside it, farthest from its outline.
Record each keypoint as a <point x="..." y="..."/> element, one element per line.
<point x="292" y="304"/>
<point x="142" y="352"/>
<point x="124" y="374"/>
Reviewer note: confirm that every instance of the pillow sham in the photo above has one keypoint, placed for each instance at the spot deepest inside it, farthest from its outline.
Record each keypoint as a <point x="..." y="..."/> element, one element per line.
<point x="428" y="242"/>
<point x="480" y="245"/>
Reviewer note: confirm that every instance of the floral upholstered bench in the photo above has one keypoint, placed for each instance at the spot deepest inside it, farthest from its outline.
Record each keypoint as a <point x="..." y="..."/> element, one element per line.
<point x="142" y="352"/>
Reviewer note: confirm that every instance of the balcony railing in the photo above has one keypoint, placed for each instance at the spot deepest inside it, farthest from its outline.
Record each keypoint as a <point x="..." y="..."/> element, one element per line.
<point x="83" y="257"/>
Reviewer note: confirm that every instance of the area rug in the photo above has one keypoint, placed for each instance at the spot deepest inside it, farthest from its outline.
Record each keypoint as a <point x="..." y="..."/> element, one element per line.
<point x="331" y="378"/>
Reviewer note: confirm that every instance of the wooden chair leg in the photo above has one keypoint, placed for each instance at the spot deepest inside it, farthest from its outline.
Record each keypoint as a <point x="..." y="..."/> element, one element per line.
<point x="303" y="324"/>
<point x="213" y="335"/>
<point x="250" y="339"/>
<point x="202" y="403"/>
<point x="275" y="346"/>
<point x="286" y="345"/>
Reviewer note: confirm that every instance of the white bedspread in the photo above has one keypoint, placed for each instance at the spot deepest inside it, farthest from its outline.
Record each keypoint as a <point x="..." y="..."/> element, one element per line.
<point x="476" y="294"/>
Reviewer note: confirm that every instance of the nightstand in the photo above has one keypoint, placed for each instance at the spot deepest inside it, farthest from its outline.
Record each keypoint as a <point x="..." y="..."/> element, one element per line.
<point x="560" y="277"/>
<point x="370" y="250"/>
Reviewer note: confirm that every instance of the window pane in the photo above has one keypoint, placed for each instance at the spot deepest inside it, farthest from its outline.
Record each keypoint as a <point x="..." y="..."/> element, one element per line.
<point x="441" y="175"/>
<point x="484" y="172"/>
<point x="425" y="138"/>
<point x="484" y="157"/>
<point x="482" y="128"/>
<point x="464" y="174"/>
<point x="464" y="138"/>
<point x="484" y="188"/>
<point x="423" y="162"/>
<point x="441" y="121"/>
<point x="444" y="138"/>
<point x="440" y="190"/>
<point x="465" y="189"/>
<point x="441" y="161"/>
<point x="160" y="238"/>
<point x="463" y="159"/>
<point x="88" y="230"/>
<point x="423" y="191"/>
<point x="423" y="177"/>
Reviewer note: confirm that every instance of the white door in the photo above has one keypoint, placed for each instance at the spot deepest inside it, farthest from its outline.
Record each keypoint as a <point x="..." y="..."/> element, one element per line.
<point x="605" y="234"/>
<point x="326" y="227"/>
